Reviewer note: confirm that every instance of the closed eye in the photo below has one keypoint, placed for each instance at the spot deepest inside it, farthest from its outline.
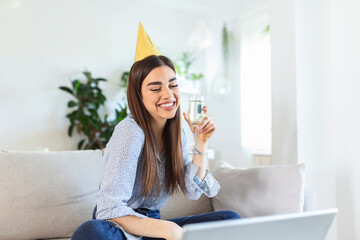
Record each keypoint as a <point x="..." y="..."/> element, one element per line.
<point x="158" y="89"/>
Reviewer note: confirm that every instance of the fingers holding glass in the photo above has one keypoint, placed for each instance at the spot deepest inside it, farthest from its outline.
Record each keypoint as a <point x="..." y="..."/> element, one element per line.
<point x="205" y="108"/>
<point x="205" y="124"/>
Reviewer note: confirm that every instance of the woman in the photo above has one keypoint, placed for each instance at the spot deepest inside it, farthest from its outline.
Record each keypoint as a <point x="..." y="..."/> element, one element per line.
<point x="147" y="161"/>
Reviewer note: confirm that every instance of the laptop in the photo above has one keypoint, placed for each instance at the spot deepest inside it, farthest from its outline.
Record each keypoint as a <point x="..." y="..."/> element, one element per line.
<point x="312" y="225"/>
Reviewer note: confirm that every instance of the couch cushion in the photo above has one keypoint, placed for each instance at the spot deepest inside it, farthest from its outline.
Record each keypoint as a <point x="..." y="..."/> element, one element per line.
<point x="260" y="191"/>
<point x="47" y="194"/>
<point x="179" y="205"/>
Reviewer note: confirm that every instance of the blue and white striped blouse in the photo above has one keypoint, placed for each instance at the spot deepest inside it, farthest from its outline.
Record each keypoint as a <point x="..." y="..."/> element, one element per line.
<point x="120" y="188"/>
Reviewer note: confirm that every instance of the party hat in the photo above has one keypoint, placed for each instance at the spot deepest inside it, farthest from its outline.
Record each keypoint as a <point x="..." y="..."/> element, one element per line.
<point x="144" y="46"/>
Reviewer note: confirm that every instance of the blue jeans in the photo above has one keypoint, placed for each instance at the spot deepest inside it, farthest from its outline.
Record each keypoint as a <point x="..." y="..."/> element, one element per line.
<point x="103" y="230"/>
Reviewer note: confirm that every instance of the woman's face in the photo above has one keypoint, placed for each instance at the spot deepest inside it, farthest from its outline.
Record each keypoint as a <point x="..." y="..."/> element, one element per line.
<point x="160" y="93"/>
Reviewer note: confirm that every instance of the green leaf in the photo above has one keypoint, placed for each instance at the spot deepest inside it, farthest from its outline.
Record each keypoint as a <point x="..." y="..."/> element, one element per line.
<point x="102" y="98"/>
<point x="72" y="104"/>
<point x="93" y="113"/>
<point x="70" y="130"/>
<point x="97" y="89"/>
<point x="85" y="129"/>
<point x="95" y="124"/>
<point x="78" y="84"/>
<point x="84" y="121"/>
<point x="266" y="30"/>
<point x="87" y="75"/>
<point x="73" y="116"/>
<point x="73" y="83"/>
<point x="80" y="144"/>
<point x="84" y="90"/>
<point x="66" y="89"/>
<point x="124" y="79"/>
<point x="100" y="79"/>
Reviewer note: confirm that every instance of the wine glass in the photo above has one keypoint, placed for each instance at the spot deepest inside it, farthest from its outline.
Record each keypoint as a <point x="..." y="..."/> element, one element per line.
<point x="196" y="116"/>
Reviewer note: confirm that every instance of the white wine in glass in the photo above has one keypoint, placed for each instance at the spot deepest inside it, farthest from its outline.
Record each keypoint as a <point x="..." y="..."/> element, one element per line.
<point x="196" y="115"/>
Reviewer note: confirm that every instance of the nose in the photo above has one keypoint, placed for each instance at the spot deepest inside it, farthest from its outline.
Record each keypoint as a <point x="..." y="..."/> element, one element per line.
<point x="168" y="93"/>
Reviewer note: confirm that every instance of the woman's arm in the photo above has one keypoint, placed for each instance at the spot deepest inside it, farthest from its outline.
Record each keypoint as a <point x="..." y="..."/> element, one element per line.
<point x="198" y="179"/>
<point x="200" y="161"/>
<point x="150" y="227"/>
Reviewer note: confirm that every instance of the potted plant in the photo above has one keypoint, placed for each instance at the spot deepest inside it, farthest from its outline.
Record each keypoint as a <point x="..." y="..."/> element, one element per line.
<point x="84" y="115"/>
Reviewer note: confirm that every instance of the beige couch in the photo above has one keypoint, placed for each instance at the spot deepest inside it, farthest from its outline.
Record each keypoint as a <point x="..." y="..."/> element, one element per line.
<point x="47" y="195"/>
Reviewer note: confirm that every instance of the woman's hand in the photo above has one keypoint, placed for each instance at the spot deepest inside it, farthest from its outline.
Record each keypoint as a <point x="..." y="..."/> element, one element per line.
<point x="175" y="231"/>
<point x="206" y="127"/>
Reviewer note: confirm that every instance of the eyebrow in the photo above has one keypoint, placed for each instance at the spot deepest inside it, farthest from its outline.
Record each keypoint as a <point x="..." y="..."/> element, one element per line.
<point x="159" y="83"/>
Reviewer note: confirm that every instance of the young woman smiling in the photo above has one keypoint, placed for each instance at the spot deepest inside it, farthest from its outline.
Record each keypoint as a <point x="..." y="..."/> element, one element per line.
<point x="147" y="161"/>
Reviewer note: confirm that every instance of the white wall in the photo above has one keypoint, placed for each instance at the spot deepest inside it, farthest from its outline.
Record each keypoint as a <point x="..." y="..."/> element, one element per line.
<point x="44" y="43"/>
<point x="345" y="50"/>
<point x="313" y="78"/>
<point x="327" y="55"/>
<point x="283" y="82"/>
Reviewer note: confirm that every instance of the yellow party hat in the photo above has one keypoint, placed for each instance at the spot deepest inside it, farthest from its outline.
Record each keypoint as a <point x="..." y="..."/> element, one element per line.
<point x="144" y="46"/>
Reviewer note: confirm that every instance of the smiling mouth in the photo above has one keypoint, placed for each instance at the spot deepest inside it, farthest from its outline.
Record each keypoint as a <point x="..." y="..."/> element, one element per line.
<point x="167" y="105"/>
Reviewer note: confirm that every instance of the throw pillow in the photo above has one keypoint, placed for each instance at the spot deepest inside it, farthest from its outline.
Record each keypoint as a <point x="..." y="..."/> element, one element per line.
<point x="260" y="191"/>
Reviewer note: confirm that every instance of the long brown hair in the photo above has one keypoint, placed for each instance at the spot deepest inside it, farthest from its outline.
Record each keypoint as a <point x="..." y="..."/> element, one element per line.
<point x="174" y="166"/>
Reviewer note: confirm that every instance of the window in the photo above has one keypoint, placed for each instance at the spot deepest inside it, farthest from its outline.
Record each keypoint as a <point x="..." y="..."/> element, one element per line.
<point x="255" y="84"/>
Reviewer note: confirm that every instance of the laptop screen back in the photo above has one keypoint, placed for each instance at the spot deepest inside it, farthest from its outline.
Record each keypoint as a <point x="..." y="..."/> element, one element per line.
<point x="312" y="225"/>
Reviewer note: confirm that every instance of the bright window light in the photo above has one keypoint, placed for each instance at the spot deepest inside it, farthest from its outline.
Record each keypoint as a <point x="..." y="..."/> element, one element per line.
<point x="256" y="83"/>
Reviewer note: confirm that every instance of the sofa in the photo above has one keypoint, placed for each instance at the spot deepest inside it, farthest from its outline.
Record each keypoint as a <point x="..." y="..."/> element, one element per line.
<point x="48" y="194"/>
